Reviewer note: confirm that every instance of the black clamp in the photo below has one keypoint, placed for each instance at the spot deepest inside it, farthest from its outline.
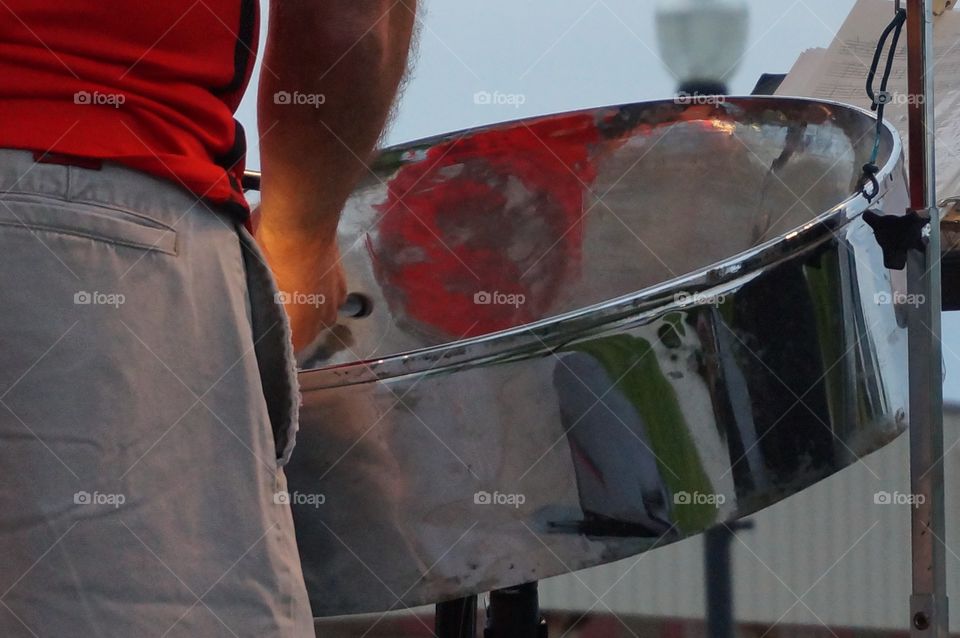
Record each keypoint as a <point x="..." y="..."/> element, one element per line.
<point x="897" y="235"/>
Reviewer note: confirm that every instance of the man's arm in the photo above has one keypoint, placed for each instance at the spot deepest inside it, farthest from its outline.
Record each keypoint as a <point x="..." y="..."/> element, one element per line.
<point x="330" y="75"/>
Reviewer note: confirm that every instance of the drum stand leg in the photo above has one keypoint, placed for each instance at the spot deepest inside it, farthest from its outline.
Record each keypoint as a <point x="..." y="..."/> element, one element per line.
<point x="514" y="612"/>
<point x="456" y="618"/>
<point x="716" y="565"/>
<point x="928" y="605"/>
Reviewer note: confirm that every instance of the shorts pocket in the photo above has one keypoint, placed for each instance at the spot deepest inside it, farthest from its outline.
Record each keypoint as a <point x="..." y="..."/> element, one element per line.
<point x="42" y="214"/>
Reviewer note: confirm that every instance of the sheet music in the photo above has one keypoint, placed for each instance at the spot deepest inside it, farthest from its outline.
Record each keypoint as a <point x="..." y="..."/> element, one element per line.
<point x="839" y="73"/>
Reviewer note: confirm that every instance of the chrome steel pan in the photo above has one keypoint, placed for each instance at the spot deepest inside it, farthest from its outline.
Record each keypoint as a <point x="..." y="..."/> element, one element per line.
<point x="593" y="333"/>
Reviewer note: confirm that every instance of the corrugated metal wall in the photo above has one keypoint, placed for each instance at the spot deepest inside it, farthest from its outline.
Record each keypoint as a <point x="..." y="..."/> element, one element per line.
<point x="845" y="557"/>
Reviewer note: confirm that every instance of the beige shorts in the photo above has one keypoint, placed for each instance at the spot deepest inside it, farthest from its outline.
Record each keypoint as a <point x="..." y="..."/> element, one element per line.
<point x="147" y="385"/>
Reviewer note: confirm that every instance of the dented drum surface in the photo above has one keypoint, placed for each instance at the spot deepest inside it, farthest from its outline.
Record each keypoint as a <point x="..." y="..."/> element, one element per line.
<point x="593" y="333"/>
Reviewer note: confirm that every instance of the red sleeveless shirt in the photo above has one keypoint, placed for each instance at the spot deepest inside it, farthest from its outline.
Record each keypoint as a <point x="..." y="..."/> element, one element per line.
<point x="152" y="85"/>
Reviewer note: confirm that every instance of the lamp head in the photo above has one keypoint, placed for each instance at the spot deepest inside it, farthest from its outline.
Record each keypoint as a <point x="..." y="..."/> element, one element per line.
<point x="702" y="41"/>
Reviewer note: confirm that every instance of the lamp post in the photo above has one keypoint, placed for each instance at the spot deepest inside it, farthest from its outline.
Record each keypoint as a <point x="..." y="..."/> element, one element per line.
<point x="702" y="42"/>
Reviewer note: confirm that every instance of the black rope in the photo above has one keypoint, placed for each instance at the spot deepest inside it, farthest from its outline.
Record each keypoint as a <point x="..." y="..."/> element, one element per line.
<point x="879" y="100"/>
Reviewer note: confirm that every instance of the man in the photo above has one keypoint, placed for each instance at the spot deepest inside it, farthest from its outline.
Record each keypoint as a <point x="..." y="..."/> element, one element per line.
<point x="147" y="396"/>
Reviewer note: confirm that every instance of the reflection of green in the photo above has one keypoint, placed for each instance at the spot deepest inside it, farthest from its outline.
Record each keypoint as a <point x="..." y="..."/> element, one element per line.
<point x="633" y="364"/>
<point x="827" y="307"/>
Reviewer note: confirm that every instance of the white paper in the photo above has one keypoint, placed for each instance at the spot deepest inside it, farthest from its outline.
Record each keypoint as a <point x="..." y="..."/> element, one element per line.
<point x="839" y="73"/>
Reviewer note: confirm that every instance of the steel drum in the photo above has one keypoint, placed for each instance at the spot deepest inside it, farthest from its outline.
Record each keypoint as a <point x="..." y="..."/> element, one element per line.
<point x="591" y="334"/>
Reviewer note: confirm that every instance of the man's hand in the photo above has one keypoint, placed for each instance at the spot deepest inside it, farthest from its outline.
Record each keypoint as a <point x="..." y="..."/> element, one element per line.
<point x="311" y="281"/>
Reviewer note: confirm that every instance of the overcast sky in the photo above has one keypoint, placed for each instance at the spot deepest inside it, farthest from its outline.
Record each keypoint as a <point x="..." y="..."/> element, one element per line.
<point x="559" y="55"/>
<point x="568" y="54"/>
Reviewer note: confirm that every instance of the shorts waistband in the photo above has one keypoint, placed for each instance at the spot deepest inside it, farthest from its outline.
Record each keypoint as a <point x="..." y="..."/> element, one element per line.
<point x="106" y="184"/>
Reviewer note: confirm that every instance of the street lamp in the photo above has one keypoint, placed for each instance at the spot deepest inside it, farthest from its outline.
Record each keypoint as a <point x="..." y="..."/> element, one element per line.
<point x="702" y="42"/>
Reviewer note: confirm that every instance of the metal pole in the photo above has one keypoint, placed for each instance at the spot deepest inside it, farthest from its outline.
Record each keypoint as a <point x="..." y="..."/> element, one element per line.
<point x="716" y="544"/>
<point x="456" y="618"/>
<point x="514" y="612"/>
<point x="719" y="578"/>
<point x="928" y="604"/>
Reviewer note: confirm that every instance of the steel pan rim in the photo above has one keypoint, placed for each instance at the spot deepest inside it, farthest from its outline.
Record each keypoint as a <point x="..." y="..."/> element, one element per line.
<point x="718" y="274"/>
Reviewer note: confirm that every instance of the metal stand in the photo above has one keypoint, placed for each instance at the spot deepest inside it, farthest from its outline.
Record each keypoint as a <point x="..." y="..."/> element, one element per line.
<point x="716" y="563"/>
<point x="456" y="618"/>
<point x="928" y="604"/>
<point x="515" y="613"/>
